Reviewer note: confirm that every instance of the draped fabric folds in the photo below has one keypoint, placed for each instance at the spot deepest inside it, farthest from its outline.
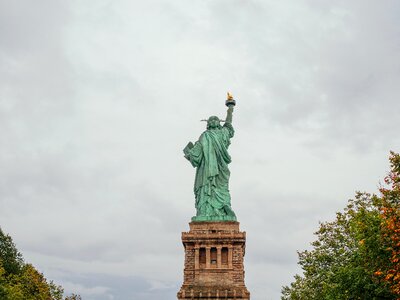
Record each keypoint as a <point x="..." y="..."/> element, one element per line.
<point x="211" y="158"/>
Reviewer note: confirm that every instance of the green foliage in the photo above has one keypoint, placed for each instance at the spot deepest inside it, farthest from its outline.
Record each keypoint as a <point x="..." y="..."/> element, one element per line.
<point x="390" y="209"/>
<point x="10" y="258"/>
<point x="56" y="291"/>
<point x="73" y="297"/>
<point x="21" y="281"/>
<point x="357" y="256"/>
<point x="344" y="257"/>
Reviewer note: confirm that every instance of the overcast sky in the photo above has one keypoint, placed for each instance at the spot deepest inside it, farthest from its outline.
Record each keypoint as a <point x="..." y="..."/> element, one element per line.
<point x="98" y="99"/>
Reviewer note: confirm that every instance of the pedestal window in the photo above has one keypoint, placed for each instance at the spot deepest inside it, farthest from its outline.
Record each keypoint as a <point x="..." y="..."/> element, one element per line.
<point x="224" y="256"/>
<point x="213" y="257"/>
<point x="202" y="257"/>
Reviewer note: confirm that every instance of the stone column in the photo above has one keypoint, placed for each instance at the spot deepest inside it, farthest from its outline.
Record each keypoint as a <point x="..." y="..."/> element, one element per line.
<point x="230" y="257"/>
<point x="208" y="257"/>
<point x="196" y="258"/>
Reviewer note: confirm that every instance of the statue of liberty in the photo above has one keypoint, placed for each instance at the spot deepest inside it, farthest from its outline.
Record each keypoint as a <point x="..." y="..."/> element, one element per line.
<point x="209" y="155"/>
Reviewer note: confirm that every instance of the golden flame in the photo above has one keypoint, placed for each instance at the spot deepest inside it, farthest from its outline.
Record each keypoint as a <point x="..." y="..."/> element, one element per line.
<point x="230" y="97"/>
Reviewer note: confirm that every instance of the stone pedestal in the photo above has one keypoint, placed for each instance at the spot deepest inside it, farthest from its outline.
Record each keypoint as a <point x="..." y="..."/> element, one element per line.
<point x="214" y="268"/>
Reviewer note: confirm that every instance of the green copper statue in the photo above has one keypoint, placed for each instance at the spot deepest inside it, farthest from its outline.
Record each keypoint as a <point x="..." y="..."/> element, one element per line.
<point x="211" y="158"/>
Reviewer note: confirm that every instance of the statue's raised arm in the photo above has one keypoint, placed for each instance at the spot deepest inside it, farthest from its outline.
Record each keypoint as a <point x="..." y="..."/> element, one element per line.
<point x="230" y="102"/>
<point x="229" y="113"/>
<point x="209" y="155"/>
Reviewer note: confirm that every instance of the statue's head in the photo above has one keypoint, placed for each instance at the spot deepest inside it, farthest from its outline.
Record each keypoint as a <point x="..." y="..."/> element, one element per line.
<point x="213" y="122"/>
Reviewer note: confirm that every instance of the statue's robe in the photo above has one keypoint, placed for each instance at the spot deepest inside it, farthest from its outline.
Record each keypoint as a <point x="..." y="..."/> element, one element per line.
<point x="211" y="158"/>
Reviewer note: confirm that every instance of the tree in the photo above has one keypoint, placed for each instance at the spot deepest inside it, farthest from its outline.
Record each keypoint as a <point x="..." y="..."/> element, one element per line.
<point x="344" y="257"/>
<point x="391" y="224"/>
<point x="356" y="256"/>
<point x="10" y="258"/>
<point x="21" y="281"/>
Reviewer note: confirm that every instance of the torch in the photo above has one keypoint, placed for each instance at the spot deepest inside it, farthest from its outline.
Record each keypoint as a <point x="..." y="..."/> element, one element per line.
<point x="230" y="101"/>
